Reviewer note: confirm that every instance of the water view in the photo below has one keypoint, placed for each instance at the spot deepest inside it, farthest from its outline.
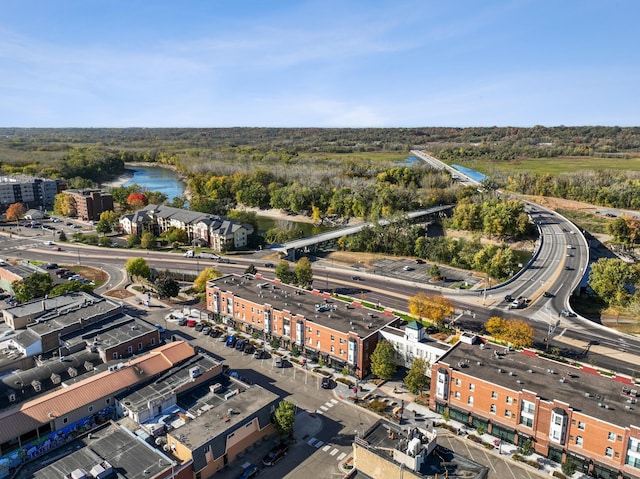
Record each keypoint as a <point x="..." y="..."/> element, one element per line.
<point x="156" y="178"/>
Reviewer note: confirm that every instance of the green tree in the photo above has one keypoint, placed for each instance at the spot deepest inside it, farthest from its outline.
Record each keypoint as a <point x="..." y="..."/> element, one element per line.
<point x="148" y="240"/>
<point x="62" y="237"/>
<point x="207" y="274"/>
<point x="284" y="418"/>
<point x="103" y="227"/>
<point x="383" y="362"/>
<point x="133" y="240"/>
<point x="416" y="379"/>
<point x="176" y="235"/>
<point x="302" y="272"/>
<point x="167" y="287"/>
<point x="282" y="271"/>
<point x="36" y="285"/>
<point x="70" y="287"/>
<point x="568" y="467"/>
<point x="613" y="280"/>
<point x="137" y="267"/>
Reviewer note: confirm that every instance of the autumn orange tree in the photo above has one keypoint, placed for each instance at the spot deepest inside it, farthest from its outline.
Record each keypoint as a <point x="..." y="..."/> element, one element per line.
<point x="137" y="200"/>
<point x="431" y="307"/>
<point x="515" y="332"/>
<point x="16" y="211"/>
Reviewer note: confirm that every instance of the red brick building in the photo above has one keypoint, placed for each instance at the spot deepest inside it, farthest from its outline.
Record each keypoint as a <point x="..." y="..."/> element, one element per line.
<point x="565" y="411"/>
<point x="341" y="334"/>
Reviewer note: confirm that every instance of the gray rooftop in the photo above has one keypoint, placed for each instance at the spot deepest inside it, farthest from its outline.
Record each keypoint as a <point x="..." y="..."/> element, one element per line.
<point x="20" y="382"/>
<point x="168" y="383"/>
<point x="109" y="333"/>
<point x="213" y="410"/>
<point x="585" y="391"/>
<point x="314" y="306"/>
<point x="129" y="456"/>
<point x="384" y="435"/>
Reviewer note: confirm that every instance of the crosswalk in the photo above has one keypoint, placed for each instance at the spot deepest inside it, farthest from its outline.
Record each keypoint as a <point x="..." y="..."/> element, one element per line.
<point x="328" y="448"/>
<point x="326" y="406"/>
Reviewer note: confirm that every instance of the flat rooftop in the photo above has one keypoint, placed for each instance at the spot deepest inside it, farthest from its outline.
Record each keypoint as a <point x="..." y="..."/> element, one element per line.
<point x="114" y="330"/>
<point x="212" y="411"/>
<point x="584" y="389"/>
<point x="129" y="456"/>
<point x="314" y="306"/>
<point x="442" y="462"/>
<point x="168" y="383"/>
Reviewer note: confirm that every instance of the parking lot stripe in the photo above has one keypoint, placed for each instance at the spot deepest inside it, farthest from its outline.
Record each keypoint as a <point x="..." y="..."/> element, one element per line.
<point x="334" y="452"/>
<point x="311" y="441"/>
<point x="342" y="456"/>
<point x="326" y="448"/>
<point x="319" y="444"/>
<point x="324" y="408"/>
<point x="334" y="401"/>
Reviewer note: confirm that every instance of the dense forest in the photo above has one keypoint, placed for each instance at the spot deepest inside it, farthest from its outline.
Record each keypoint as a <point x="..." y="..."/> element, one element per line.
<point x="328" y="171"/>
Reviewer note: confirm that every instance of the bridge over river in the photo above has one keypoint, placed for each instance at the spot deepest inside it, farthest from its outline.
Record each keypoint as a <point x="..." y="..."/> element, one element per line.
<point x="292" y="249"/>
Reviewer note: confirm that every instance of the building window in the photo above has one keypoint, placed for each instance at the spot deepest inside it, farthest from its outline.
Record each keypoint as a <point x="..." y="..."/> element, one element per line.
<point x="318" y="344"/>
<point x="342" y="342"/>
<point x="333" y="338"/>
<point x="115" y="355"/>
<point x="341" y="351"/>
<point x="458" y="382"/>
<point x="470" y="400"/>
<point x="581" y="425"/>
<point x="509" y="400"/>
<point x="332" y="349"/>
<point x="472" y="387"/>
<point x="492" y="409"/>
<point x="317" y="332"/>
<point x="457" y="395"/>
<point x="107" y="401"/>
<point x="608" y="452"/>
<point x="130" y="350"/>
<point x="494" y="395"/>
<point x="579" y="441"/>
<point x="507" y="413"/>
<point x="612" y="436"/>
<point x="153" y="341"/>
<point x="139" y="346"/>
<point x="90" y="408"/>
<point x="65" y="420"/>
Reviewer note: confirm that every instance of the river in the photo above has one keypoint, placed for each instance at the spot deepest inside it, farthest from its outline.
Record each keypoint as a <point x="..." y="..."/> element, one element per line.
<point x="165" y="180"/>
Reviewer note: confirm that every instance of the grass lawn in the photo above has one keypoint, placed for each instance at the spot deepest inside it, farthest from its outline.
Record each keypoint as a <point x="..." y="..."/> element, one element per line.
<point x="552" y="166"/>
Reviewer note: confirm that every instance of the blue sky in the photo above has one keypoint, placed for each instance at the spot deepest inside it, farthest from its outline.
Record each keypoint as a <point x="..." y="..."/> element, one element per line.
<point x="319" y="63"/>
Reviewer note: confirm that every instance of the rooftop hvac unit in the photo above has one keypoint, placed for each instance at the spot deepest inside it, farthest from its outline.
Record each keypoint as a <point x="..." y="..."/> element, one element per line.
<point x="194" y="372"/>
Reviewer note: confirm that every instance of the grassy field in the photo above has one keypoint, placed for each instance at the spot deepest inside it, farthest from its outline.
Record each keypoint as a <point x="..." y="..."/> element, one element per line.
<point x="553" y="166"/>
<point x="587" y="221"/>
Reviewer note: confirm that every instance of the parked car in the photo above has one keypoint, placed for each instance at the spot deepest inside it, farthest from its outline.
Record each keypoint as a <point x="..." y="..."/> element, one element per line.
<point x="250" y="471"/>
<point x="249" y="348"/>
<point x="51" y="266"/>
<point x="408" y="268"/>
<point x="214" y="333"/>
<point x="205" y="331"/>
<point x="275" y="454"/>
<point x="231" y="341"/>
<point x="259" y="353"/>
<point x="240" y="344"/>
<point x="182" y="321"/>
<point x="277" y="362"/>
<point x="199" y="327"/>
<point x="191" y="323"/>
<point x="326" y="383"/>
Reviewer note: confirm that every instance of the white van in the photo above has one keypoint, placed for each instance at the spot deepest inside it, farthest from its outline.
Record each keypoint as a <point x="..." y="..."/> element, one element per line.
<point x="277" y="361"/>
